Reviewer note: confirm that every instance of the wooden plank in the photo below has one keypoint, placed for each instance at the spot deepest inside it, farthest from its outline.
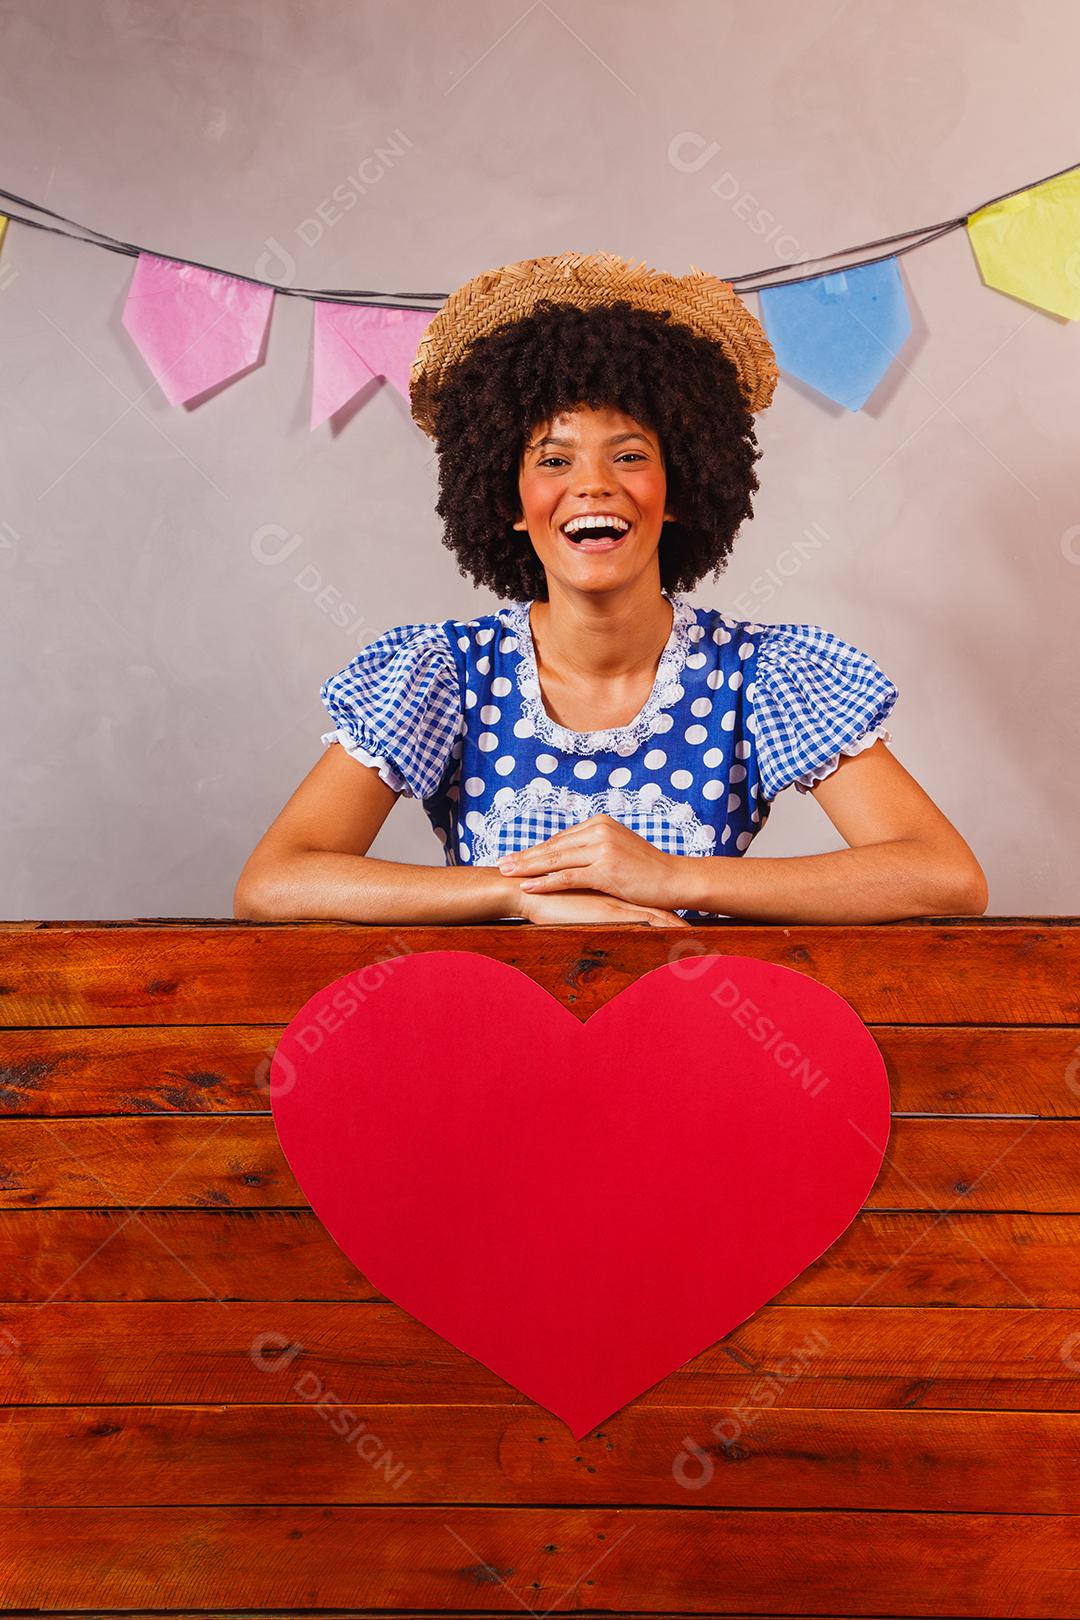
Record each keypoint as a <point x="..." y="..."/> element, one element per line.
<point x="998" y="1359"/>
<point x="117" y="1254"/>
<point x="185" y="1069"/>
<point x="1024" y="972"/>
<point x="234" y="1162"/>
<point x="692" y="1560"/>
<point x="166" y="1070"/>
<point x="222" y="1162"/>
<point x="884" y="1258"/>
<point x="352" y="1614"/>
<point x="180" y="924"/>
<point x="327" y="1452"/>
<point x="988" y="1070"/>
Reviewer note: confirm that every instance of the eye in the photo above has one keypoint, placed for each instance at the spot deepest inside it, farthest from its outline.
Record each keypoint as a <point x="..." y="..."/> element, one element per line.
<point x="635" y="453"/>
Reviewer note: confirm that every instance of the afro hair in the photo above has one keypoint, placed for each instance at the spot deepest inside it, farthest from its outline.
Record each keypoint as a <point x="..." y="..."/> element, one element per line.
<point x="680" y="385"/>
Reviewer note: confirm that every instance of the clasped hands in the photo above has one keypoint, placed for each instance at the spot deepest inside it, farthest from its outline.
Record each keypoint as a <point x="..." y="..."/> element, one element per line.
<point x="602" y="854"/>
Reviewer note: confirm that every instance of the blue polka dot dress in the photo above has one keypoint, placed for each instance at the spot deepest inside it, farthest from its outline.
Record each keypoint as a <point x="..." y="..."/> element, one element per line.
<point x="451" y="713"/>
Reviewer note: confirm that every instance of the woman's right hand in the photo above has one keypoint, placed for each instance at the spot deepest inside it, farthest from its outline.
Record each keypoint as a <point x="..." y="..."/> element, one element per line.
<point x="591" y="905"/>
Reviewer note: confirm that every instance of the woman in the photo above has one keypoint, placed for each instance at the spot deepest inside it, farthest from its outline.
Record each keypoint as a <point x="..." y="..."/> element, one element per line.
<point x="595" y="750"/>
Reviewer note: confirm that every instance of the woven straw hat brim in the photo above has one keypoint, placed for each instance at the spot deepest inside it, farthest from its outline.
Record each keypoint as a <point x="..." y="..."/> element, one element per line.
<point x="702" y="302"/>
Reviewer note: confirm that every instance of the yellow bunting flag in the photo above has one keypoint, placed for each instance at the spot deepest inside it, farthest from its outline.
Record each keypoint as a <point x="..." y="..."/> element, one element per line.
<point x="1029" y="245"/>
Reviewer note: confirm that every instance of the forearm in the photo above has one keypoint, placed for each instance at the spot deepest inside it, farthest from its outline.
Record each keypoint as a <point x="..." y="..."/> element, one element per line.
<point x="324" y="885"/>
<point x="869" y="883"/>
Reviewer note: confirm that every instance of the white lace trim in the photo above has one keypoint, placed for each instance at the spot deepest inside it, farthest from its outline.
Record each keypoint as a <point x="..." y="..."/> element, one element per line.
<point x="699" y="838"/>
<point x="390" y="775"/>
<point x="623" y="740"/>
<point x="803" y="784"/>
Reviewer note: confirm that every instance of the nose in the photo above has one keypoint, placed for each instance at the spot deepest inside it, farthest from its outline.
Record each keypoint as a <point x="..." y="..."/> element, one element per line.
<point x="594" y="477"/>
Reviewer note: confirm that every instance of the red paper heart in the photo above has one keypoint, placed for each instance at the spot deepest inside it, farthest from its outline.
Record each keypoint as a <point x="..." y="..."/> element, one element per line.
<point x="580" y="1207"/>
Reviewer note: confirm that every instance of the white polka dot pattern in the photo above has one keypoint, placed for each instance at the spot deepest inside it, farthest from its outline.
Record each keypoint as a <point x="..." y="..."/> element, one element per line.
<point x="453" y="713"/>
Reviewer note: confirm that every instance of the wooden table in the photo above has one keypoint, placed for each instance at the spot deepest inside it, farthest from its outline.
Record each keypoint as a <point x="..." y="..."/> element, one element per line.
<point x="208" y="1410"/>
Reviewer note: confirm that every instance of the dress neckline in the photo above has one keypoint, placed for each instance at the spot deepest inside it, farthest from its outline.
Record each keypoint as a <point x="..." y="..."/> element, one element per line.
<point x="666" y="688"/>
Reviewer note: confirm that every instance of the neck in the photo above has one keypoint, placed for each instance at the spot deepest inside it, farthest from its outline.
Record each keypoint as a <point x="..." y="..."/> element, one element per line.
<point x="601" y="638"/>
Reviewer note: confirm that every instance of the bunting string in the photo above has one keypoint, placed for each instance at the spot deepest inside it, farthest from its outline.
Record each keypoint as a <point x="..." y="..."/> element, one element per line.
<point x="198" y="326"/>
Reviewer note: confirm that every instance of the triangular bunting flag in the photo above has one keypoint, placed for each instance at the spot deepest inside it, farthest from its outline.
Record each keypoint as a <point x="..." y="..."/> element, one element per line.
<point x="194" y="328"/>
<point x="840" y="333"/>
<point x="1029" y="245"/>
<point x="355" y="342"/>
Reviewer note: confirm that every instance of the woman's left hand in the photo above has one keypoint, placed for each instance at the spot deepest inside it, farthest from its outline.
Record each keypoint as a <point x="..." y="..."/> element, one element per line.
<point x="599" y="853"/>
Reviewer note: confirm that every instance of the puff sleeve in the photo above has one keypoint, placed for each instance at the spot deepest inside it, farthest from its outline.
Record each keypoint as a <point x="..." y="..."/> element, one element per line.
<point x="816" y="697"/>
<point x="397" y="706"/>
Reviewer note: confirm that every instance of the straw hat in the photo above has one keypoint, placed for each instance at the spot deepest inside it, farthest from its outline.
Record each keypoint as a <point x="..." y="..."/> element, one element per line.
<point x="698" y="300"/>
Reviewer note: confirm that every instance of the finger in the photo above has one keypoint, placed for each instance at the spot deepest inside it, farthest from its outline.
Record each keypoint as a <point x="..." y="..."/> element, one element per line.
<point x="534" y="859"/>
<point x="543" y="858"/>
<point x="532" y="851"/>
<point x="669" y="919"/>
<point x="564" y="877"/>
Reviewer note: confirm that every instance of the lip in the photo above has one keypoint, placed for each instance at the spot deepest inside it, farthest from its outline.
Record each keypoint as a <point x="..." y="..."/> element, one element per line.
<point x="583" y="548"/>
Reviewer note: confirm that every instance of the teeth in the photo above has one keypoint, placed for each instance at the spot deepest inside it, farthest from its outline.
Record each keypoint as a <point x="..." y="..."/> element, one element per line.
<point x="599" y="522"/>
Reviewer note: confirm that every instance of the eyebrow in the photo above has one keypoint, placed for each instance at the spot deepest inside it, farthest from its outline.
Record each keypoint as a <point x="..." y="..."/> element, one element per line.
<point x="616" y="438"/>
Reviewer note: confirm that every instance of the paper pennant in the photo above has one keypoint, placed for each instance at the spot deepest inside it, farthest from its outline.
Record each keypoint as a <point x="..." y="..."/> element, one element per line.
<point x="841" y="332"/>
<point x="1029" y="245"/>
<point x="354" y="343"/>
<point x="194" y="328"/>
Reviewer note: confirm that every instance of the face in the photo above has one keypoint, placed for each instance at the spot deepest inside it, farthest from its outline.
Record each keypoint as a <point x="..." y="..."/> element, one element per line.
<point x="595" y="461"/>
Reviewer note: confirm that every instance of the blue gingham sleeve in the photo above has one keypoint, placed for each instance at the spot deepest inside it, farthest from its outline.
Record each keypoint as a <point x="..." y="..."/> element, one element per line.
<point x="815" y="698"/>
<point x="397" y="706"/>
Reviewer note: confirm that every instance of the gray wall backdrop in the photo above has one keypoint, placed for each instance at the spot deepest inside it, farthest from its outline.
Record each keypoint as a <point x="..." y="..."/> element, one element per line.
<point x="163" y="639"/>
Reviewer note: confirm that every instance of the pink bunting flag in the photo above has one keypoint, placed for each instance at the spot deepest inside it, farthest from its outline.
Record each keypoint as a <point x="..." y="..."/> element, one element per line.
<point x="355" y="342"/>
<point x="194" y="328"/>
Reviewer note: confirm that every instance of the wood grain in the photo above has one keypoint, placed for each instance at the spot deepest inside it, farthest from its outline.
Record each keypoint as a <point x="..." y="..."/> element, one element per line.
<point x="186" y="1069"/>
<point x="997" y="1359"/>
<point x="903" y="1460"/>
<point x="692" y="1561"/>
<point x="970" y="972"/>
<point x="236" y="1162"/>
<point x="888" y="1258"/>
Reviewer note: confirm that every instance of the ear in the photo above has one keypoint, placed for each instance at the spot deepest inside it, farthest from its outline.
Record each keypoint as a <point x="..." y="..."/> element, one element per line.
<point x="519" y="523"/>
<point x="670" y="517"/>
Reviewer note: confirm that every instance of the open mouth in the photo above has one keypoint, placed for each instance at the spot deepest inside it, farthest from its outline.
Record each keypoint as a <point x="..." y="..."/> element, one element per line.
<point x="597" y="537"/>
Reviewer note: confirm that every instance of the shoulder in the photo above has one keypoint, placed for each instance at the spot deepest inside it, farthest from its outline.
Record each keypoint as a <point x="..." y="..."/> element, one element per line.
<point x="404" y="652"/>
<point x="785" y="647"/>
<point x="482" y="629"/>
<point x="811" y="694"/>
<point x="803" y="640"/>
<point x="807" y="677"/>
<point x="397" y="704"/>
<point x="700" y="623"/>
<point x="405" y="677"/>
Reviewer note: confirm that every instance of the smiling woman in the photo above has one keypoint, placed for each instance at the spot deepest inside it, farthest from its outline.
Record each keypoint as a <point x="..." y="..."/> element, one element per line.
<point x="674" y="426"/>
<point x="599" y="747"/>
